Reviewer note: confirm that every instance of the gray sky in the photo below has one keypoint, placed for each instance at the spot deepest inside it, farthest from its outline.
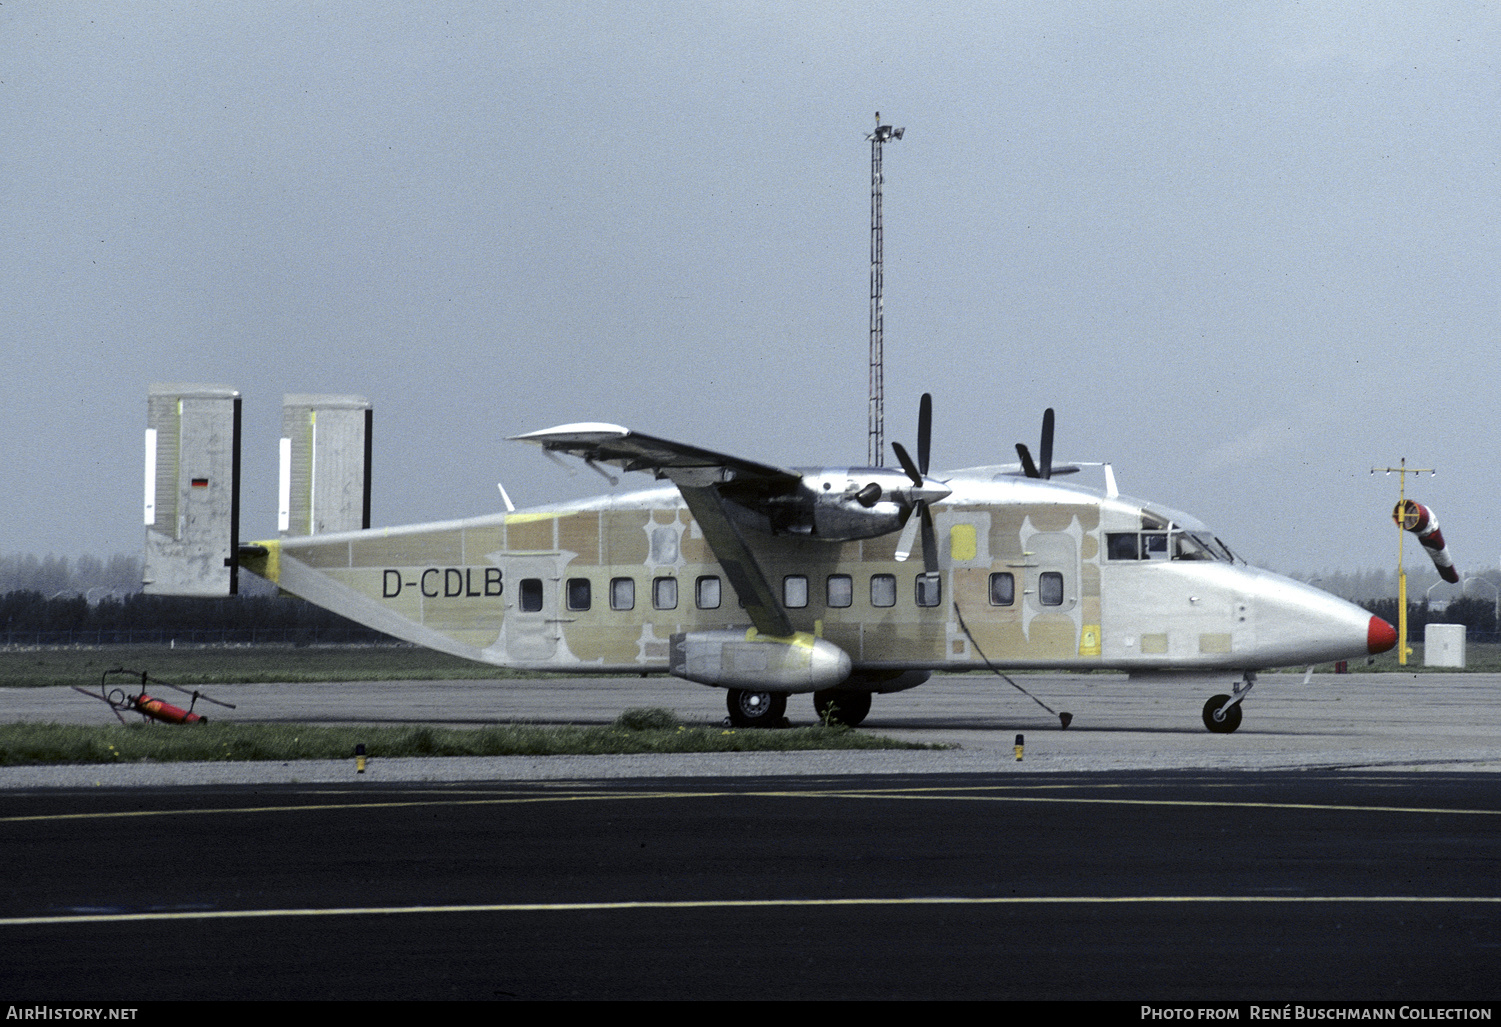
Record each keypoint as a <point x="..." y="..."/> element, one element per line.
<point x="1247" y="250"/>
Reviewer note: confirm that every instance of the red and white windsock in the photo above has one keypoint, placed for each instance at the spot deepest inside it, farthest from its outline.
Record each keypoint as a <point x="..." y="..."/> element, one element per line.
<point x="1422" y="522"/>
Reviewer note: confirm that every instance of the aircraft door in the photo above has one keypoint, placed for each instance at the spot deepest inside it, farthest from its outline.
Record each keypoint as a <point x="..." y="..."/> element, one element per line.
<point x="1051" y="608"/>
<point x="531" y="629"/>
<point x="1052" y="580"/>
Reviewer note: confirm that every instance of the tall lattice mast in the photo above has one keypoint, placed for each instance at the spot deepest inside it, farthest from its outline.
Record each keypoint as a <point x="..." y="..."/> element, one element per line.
<point x="876" y="427"/>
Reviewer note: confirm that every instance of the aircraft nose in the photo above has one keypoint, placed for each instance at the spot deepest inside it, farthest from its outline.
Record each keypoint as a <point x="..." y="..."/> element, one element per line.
<point x="1380" y="636"/>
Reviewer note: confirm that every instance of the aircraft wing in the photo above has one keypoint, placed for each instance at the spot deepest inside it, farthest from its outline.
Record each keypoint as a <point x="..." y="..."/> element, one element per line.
<point x="683" y="464"/>
<point x="699" y="475"/>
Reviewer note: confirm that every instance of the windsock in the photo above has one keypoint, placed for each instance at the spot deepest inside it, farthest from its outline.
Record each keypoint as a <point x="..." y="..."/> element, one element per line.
<point x="1422" y="522"/>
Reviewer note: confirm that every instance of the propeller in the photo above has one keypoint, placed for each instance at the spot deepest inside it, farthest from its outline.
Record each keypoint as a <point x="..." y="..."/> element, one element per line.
<point x="1031" y="469"/>
<point x="923" y="492"/>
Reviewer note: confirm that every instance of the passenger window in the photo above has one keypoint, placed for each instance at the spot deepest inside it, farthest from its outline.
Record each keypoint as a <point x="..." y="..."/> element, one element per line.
<point x="929" y="589"/>
<point x="795" y="591"/>
<point x="1002" y="589"/>
<point x="708" y="593"/>
<point x="664" y="593"/>
<point x="579" y="597"/>
<point x="1050" y="588"/>
<point x="841" y="590"/>
<point x="622" y="593"/>
<point x="531" y="595"/>
<point x="882" y="590"/>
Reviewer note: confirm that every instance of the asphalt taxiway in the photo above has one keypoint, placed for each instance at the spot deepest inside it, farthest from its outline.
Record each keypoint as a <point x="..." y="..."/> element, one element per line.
<point x="1286" y="887"/>
<point x="1391" y="721"/>
<point x="1342" y="845"/>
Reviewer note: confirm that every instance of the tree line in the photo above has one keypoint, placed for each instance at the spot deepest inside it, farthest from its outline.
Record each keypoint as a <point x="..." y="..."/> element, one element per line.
<point x="26" y="610"/>
<point x="1477" y="615"/>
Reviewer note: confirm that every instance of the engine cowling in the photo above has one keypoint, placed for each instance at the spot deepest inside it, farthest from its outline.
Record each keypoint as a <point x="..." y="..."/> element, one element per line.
<point x="837" y="504"/>
<point x="738" y="658"/>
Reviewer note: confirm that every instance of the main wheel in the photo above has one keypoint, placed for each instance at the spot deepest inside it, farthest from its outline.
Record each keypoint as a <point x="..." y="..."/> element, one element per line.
<point x="756" y="709"/>
<point x="1228" y="723"/>
<point x="836" y="707"/>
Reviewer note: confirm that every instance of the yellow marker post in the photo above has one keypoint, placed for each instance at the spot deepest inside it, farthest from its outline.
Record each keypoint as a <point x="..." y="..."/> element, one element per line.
<point x="1402" y="471"/>
<point x="1018" y="748"/>
<point x="359" y="758"/>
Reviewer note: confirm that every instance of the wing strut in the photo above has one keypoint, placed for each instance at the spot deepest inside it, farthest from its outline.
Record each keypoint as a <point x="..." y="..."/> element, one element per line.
<point x="739" y="563"/>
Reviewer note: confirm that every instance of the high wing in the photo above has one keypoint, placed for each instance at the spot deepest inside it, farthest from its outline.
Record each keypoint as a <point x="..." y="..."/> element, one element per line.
<point x="700" y="475"/>
<point x="682" y="464"/>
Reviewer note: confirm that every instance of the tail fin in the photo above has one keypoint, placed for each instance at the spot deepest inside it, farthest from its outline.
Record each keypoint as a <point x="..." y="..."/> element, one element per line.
<point x="325" y="465"/>
<point x="192" y="490"/>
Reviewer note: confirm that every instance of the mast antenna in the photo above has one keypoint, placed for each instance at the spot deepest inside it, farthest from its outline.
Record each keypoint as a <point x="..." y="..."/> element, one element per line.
<point x="876" y="417"/>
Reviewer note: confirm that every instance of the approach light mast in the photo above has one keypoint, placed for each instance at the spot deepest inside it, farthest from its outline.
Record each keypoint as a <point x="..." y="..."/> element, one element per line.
<point x="876" y="427"/>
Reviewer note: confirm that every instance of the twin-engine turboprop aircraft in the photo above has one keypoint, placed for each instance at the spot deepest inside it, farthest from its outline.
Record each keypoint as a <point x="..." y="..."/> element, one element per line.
<point x="761" y="580"/>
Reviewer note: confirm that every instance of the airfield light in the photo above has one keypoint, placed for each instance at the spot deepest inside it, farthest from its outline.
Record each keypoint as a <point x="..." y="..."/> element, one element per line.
<point x="876" y="428"/>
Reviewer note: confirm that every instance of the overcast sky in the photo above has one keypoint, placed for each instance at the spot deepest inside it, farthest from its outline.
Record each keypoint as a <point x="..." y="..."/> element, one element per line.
<point x="1247" y="250"/>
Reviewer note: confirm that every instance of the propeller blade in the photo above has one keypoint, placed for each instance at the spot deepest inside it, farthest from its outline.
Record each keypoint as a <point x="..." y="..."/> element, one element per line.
<point x="929" y="540"/>
<point x="909" y="535"/>
<point x="924" y="431"/>
<point x="907" y="464"/>
<point x="1046" y="470"/>
<point x="1028" y="467"/>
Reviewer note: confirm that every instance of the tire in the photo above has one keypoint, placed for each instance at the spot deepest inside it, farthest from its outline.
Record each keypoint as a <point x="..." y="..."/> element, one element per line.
<point x="1231" y="720"/>
<point x="756" y="709"/>
<point x="836" y="707"/>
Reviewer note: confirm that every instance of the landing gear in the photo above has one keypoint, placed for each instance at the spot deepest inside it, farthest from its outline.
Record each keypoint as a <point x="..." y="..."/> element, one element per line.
<point x="756" y="709"/>
<point x="1222" y="712"/>
<point x="1221" y="723"/>
<point x="836" y="707"/>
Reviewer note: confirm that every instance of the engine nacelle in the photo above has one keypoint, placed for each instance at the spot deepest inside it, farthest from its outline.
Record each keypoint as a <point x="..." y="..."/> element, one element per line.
<point x="735" y="658"/>
<point x="835" y="504"/>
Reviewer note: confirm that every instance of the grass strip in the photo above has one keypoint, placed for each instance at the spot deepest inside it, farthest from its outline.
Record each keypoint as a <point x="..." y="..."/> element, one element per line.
<point x="32" y="744"/>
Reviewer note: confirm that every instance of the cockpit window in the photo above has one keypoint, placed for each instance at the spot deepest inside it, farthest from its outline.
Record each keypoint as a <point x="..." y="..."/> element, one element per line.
<point x="1229" y="553"/>
<point x="1187" y="547"/>
<point x="1171" y="544"/>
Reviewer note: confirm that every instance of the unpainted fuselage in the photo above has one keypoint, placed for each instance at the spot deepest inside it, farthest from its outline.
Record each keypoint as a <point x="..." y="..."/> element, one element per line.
<point x="1032" y="574"/>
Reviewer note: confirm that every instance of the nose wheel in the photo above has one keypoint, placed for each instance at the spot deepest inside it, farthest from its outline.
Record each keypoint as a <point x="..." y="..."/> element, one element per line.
<point x="1222" y="712"/>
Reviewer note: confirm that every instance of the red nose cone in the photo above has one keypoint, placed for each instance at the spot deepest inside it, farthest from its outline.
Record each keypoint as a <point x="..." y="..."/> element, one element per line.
<point x="1380" y="636"/>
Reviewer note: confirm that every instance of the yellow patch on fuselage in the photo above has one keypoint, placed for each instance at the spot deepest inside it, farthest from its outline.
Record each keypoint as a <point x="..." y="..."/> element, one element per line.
<point x="963" y="544"/>
<point x="527" y="518"/>
<point x="268" y="566"/>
